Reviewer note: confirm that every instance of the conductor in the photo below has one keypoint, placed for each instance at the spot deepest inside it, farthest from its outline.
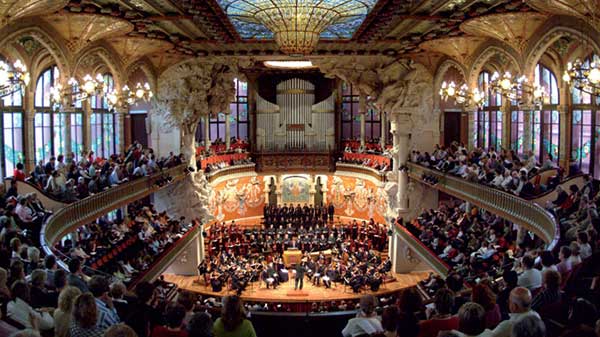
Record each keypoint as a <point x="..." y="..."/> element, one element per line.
<point x="299" y="275"/>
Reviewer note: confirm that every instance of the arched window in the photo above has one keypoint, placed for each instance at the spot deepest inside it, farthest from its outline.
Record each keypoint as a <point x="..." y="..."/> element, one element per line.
<point x="585" y="127"/>
<point x="104" y="125"/>
<point x="546" y="123"/>
<point x="238" y="126"/>
<point x="488" y="120"/>
<point x="12" y="131"/>
<point x="49" y="127"/>
<point x="351" y="116"/>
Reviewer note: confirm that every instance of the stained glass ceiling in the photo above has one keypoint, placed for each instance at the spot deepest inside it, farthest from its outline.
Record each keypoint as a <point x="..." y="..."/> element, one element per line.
<point x="243" y="15"/>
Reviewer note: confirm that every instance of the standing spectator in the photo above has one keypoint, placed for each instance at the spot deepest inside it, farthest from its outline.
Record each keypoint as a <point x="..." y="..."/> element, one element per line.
<point x="551" y="293"/>
<point x="366" y="321"/>
<point x="484" y="296"/>
<point x="85" y="317"/>
<point x="233" y="322"/>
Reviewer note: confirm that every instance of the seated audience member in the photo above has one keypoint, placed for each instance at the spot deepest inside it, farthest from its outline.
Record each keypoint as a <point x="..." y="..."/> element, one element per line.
<point x="442" y="318"/>
<point x="233" y="322"/>
<point x="107" y="314"/>
<point x="120" y="330"/>
<point x="85" y="317"/>
<point x="117" y="292"/>
<point x="200" y="325"/>
<point x="75" y="277"/>
<point x="484" y="296"/>
<point x="529" y="326"/>
<point x="389" y="320"/>
<point x="20" y="310"/>
<point x="62" y="314"/>
<point x="366" y="321"/>
<point x="174" y="315"/>
<point x="519" y="306"/>
<point x="146" y="316"/>
<point x="551" y="292"/>
<point x="471" y="321"/>
<point x="530" y="278"/>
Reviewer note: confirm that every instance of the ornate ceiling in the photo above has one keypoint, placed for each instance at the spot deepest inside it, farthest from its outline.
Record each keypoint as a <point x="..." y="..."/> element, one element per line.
<point x="167" y="31"/>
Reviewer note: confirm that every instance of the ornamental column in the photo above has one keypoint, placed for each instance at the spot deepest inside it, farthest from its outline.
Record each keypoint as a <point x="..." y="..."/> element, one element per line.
<point x="383" y="137"/>
<point x="206" y="132"/>
<point x="395" y="142"/>
<point x="362" y="110"/>
<point x="28" y="129"/>
<point x="471" y="111"/>
<point x="527" y="127"/>
<point x="87" y="122"/>
<point x="564" y="151"/>
<point x="120" y="116"/>
<point x="403" y="134"/>
<point x="227" y="130"/>
<point x="68" y="146"/>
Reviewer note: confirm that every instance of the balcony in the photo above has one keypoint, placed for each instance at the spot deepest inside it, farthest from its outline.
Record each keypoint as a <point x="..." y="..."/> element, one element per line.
<point x="81" y="212"/>
<point x="522" y="212"/>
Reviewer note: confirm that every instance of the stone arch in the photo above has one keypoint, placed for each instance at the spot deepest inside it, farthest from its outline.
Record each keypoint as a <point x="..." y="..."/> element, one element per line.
<point x="486" y="53"/>
<point x="109" y="59"/>
<point x="41" y="34"/>
<point x="550" y="36"/>
<point x="443" y="68"/>
<point x="146" y="67"/>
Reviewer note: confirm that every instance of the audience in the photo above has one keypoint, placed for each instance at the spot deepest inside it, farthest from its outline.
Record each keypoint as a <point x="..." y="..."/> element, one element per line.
<point x="233" y="321"/>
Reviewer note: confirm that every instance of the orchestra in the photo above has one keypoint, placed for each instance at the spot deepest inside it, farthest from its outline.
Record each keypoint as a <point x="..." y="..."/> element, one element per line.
<point x="240" y="255"/>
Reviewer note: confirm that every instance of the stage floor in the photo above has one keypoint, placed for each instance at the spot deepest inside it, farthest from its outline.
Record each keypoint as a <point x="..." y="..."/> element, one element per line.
<point x="285" y="293"/>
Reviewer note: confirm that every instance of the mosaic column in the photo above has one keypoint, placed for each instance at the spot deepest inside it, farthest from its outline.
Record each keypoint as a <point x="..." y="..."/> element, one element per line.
<point x="227" y="130"/>
<point x="206" y="131"/>
<point x="362" y="110"/>
<point x="383" y="137"/>
<point x="471" y="111"/>
<point x="403" y="134"/>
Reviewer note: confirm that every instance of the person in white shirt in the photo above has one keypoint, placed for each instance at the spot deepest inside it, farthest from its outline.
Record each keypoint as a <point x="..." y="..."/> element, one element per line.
<point x="21" y="312"/>
<point x="519" y="305"/>
<point x="366" y="321"/>
<point x="585" y="250"/>
<point x="575" y="253"/>
<point x="531" y="278"/>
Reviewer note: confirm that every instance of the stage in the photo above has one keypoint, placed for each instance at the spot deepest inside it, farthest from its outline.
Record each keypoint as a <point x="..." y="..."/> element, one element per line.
<point x="285" y="293"/>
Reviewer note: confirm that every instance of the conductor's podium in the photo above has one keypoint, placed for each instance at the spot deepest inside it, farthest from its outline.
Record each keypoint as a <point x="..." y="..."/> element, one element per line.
<point x="292" y="256"/>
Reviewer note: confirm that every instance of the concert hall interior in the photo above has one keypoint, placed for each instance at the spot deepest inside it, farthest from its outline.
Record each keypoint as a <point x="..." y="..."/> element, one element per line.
<point x="192" y="168"/>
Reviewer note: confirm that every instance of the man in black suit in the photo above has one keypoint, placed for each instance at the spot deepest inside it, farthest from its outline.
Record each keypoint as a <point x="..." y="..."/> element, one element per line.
<point x="330" y="211"/>
<point x="299" y="275"/>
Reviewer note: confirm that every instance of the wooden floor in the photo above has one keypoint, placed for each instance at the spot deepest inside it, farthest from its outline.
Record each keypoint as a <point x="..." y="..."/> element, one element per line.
<point x="285" y="293"/>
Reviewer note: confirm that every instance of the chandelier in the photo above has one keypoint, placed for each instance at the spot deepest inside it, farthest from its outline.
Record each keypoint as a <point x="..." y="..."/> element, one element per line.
<point x="584" y="76"/>
<point x="128" y="97"/>
<point x="12" y="80"/>
<point x="516" y="88"/>
<point x="75" y="92"/>
<point x="297" y="24"/>
<point x="462" y="95"/>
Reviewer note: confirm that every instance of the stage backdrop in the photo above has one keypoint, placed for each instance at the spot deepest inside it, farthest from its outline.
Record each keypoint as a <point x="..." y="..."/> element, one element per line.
<point x="356" y="197"/>
<point x="244" y="197"/>
<point x="237" y="198"/>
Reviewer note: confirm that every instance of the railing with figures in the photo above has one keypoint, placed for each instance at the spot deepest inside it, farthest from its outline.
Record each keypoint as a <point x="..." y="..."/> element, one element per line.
<point x="520" y="211"/>
<point x="77" y="214"/>
<point x="425" y="253"/>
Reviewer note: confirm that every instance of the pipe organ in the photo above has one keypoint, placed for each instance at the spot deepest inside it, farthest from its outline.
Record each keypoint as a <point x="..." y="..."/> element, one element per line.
<point x="295" y="122"/>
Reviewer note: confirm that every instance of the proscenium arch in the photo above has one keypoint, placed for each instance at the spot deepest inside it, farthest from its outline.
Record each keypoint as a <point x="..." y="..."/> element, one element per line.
<point x="485" y="54"/>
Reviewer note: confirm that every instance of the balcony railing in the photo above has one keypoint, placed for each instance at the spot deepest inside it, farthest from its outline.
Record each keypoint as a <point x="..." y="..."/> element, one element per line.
<point x="77" y="214"/>
<point x="426" y="254"/>
<point x="522" y="212"/>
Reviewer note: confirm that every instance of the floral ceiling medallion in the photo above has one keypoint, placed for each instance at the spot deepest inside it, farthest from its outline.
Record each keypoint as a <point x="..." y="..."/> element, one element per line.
<point x="515" y="29"/>
<point x="11" y="10"/>
<point x="80" y="29"/>
<point x="459" y="48"/>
